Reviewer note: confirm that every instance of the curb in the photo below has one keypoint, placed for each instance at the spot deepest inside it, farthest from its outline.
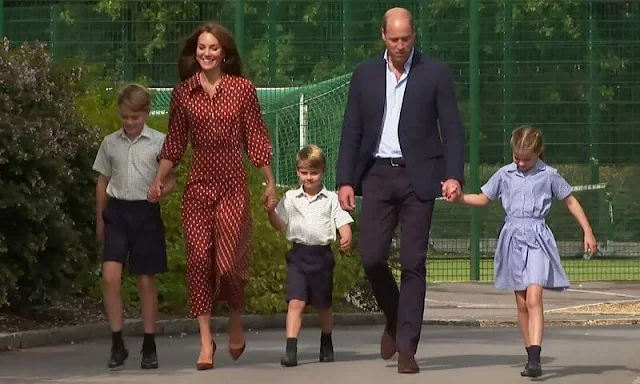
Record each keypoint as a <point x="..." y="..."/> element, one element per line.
<point x="89" y="332"/>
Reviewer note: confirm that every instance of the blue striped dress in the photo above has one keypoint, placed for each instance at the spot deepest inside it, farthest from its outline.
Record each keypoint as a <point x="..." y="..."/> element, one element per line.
<point x="527" y="252"/>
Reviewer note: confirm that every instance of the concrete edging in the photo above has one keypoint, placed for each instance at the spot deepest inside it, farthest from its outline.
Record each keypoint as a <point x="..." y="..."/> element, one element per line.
<point x="88" y="332"/>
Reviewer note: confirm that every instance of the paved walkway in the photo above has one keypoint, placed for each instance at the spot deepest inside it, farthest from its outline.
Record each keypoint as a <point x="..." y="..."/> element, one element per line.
<point x="481" y="301"/>
<point x="460" y="354"/>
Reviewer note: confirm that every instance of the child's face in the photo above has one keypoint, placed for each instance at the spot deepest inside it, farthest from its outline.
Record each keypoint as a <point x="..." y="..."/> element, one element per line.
<point x="131" y="121"/>
<point x="525" y="161"/>
<point x="310" y="177"/>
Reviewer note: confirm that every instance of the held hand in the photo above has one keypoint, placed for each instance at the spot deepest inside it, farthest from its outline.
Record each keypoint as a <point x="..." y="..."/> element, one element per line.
<point x="590" y="244"/>
<point x="347" y="198"/>
<point x="155" y="191"/>
<point x="451" y="190"/>
<point x="269" y="198"/>
<point x="345" y="243"/>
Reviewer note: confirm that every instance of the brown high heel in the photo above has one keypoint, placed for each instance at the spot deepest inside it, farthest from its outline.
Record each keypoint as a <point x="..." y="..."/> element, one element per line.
<point x="237" y="352"/>
<point x="207" y="366"/>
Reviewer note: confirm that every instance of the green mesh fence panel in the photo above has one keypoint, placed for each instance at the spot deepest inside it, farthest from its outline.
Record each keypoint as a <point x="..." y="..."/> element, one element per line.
<point x="568" y="67"/>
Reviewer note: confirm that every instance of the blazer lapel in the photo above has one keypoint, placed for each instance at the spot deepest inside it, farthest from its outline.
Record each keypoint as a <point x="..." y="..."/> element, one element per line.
<point x="379" y="93"/>
<point x="413" y="85"/>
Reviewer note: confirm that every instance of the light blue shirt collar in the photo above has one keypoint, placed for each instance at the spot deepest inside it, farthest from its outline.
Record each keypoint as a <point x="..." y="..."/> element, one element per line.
<point x="407" y="64"/>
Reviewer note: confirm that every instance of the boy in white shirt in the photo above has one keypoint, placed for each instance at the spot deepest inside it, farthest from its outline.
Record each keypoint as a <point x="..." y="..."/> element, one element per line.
<point x="128" y="223"/>
<point x="310" y="216"/>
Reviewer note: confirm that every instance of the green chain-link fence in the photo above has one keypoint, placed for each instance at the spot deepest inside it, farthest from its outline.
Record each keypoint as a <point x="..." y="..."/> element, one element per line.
<point x="569" y="67"/>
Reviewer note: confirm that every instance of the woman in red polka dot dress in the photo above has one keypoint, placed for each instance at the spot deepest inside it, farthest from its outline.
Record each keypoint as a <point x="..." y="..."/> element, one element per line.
<point x="217" y="110"/>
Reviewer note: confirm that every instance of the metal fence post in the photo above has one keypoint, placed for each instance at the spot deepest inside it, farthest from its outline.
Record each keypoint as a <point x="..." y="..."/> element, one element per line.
<point x="273" y="40"/>
<point x="1" y="19"/>
<point x="347" y="38"/>
<point x="594" y="95"/>
<point x="507" y="81"/>
<point x="239" y="29"/>
<point x="54" y="22"/>
<point x="126" y="37"/>
<point x="423" y="14"/>
<point x="474" y="134"/>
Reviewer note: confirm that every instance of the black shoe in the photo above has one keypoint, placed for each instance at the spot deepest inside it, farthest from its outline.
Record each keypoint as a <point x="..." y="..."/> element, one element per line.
<point x="118" y="356"/>
<point x="149" y="359"/>
<point x="289" y="360"/>
<point x="326" y="354"/>
<point x="532" y="370"/>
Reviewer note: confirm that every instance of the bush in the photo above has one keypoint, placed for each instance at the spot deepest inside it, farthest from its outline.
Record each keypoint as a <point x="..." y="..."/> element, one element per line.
<point x="47" y="241"/>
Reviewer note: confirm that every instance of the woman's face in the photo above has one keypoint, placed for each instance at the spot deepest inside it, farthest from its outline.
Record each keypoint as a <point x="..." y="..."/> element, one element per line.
<point x="209" y="52"/>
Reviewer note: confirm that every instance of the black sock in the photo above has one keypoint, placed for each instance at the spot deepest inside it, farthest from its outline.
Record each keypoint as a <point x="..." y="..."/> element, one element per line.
<point x="116" y="339"/>
<point x="534" y="356"/>
<point x="292" y="346"/>
<point x="325" y="340"/>
<point x="528" y="349"/>
<point x="149" y="342"/>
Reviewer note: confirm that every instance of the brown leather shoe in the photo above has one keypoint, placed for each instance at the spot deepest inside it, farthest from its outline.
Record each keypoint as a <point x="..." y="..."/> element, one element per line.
<point x="387" y="345"/>
<point x="407" y="363"/>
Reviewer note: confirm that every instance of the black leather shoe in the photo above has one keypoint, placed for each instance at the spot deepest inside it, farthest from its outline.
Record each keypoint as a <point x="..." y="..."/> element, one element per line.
<point x="119" y="355"/>
<point x="326" y="354"/>
<point x="532" y="370"/>
<point x="149" y="359"/>
<point x="289" y="360"/>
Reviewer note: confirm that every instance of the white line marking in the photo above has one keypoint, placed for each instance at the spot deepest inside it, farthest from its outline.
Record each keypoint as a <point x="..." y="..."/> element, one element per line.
<point x="604" y="293"/>
<point x="590" y="305"/>
<point x="459" y="304"/>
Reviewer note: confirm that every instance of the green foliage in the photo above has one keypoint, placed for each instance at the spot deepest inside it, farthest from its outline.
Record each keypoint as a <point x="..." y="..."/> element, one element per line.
<point x="47" y="241"/>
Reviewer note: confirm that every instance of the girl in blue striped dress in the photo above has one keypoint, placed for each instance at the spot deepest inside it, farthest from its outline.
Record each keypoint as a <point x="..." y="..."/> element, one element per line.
<point x="527" y="259"/>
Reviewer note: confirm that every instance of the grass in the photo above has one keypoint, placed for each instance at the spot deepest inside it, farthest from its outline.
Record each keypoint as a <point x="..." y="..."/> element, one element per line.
<point x="459" y="270"/>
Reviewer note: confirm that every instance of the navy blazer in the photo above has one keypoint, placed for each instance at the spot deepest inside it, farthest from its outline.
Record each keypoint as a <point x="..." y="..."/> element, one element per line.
<point x="430" y="129"/>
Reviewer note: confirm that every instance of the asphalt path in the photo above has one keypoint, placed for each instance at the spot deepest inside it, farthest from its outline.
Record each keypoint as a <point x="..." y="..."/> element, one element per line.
<point x="460" y="354"/>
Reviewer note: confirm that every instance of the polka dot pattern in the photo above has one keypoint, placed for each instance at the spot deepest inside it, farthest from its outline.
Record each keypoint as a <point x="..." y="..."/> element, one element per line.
<point x="216" y="214"/>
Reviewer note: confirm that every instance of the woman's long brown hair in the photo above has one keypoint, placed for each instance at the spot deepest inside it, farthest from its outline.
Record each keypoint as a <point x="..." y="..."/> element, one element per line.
<point x="188" y="64"/>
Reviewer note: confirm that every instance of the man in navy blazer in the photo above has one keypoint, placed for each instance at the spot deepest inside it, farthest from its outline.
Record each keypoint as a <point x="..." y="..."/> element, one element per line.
<point x="402" y="146"/>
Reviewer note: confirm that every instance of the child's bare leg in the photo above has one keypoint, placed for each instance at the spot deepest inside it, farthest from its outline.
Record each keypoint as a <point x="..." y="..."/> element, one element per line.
<point x="536" y="314"/>
<point x="294" y="318"/>
<point x="536" y="326"/>
<point x="523" y="317"/>
<point x="149" y="304"/>
<point x="326" y="320"/>
<point x="294" y="323"/>
<point x="326" y="343"/>
<point x="111" y="276"/>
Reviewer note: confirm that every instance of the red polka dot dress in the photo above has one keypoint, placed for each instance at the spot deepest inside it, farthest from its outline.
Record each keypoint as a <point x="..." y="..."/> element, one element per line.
<point x="216" y="215"/>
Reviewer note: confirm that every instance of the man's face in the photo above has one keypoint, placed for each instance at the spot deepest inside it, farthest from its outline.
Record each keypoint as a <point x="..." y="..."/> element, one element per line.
<point x="399" y="39"/>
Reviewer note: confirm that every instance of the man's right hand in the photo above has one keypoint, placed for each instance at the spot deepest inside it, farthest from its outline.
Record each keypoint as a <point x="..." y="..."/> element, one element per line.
<point x="347" y="198"/>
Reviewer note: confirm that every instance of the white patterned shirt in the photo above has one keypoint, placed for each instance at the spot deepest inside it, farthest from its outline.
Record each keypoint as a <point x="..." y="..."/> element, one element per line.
<point x="131" y="165"/>
<point x="312" y="220"/>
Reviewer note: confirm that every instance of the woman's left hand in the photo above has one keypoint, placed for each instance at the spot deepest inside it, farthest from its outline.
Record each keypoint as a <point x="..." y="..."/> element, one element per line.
<point x="269" y="198"/>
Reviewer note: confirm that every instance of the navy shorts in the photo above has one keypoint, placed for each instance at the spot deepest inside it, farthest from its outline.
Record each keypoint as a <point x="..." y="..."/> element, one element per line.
<point x="310" y="274"/>
<point x="134" y="231"/>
